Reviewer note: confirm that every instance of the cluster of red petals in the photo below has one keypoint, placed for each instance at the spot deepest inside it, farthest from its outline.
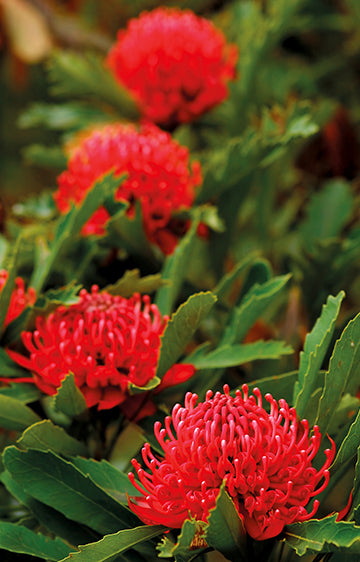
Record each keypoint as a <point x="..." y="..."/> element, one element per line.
<point x="159" y="176"/>
<point x="265" y="459"/>
<point x="108" y="342"/>
<point x="20" y="298"/>
<point x="175" y="63"/>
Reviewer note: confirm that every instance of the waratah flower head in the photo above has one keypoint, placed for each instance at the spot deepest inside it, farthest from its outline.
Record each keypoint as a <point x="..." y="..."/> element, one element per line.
<point x="265" y="459"/>
<point x="19" y="299"/>
<point x="159" y="176"/>
<point x="175" y="63"/>
<point x="108" y="342"/>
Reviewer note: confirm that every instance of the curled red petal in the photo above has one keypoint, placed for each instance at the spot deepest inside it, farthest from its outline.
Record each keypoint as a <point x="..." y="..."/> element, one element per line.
<point x="108" y="342"/>
<point x="265" y="458"/>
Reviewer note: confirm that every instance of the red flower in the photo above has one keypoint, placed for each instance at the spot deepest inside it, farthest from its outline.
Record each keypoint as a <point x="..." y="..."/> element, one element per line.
<point x="175" y="63"/>
<point x="107" y="342"/>
<point x="20" y="298"/>
<point x="264" y="458"/>
<point x="159" y="176"/>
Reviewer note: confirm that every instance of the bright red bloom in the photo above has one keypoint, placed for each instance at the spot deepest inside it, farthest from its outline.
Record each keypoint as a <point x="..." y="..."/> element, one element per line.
<point x="175" y="63"/>
<point x="107" y="342"/>
<point x="264" y="458"/>
<point x="20" y="298"/>
<point x="159" y="177"/>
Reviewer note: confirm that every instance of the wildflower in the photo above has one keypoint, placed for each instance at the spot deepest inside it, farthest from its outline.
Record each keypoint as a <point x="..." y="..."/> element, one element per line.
<point x="108" y="342"/>
<point x="158" y="176"/>
<point x="19" y="299"/>
<point x="175" y="63"/>
<point x="264" y="458"/>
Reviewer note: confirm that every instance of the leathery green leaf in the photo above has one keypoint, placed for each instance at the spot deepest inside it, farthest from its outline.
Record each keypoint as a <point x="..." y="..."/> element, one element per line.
<point x="70" y="225"/>
<point x="181" y="327"/>
<point x="237" y="354"/>
<point x="112" y="545"/>
<point x="8" y="367"/>
<point x="343" y="373"/>
<point x="280" y="386"/>
<point x="59" y="484"/>
<point x="227" y="282"/>
<point x="107" y="477"/>
<point x="226" y="532"/>
<point x="10" y="265"/>
<point x="15" y="415"/>
<point x="69" y="399"/>
<point x="192" y="535"/>
<point x="252" y="307"/>
<point x="174" y="270"/>
<point x="45" y="436"/>
<point x="311" y="358"/>
<point x="51" y="519"/>
<point x="349" y="445"/>
<point x="325" y="535"/>
<point x="132" y="283"/>
<point x="24" y="392"/>
<point x="17" y="538"/>
<point x="355" y="512"/>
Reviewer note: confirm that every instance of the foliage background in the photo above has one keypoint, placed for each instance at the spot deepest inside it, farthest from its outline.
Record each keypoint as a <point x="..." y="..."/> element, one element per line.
<point x="280" y="193"/>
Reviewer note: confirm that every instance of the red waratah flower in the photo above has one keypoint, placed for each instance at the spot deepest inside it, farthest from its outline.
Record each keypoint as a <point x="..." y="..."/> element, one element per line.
<point x="159" y="177"/>
<point x="107" y="342"/>
<point x="20" y="298"/>
<point x="264" y="458"/>
<point x="175" y="63"/>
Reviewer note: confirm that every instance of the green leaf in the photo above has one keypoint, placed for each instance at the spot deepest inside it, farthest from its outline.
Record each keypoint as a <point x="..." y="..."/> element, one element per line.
<point x="188" y="536"/>
<point x="227" y="282"/>
<point x="8" y="367"/>
<point x="17" y="538"/>
<point x="280" y="386"/>
<point x="150" y="385"/>
<point x="237" y="354"/>
<point x="132" y="283"/>
<point x="252" y="307"/>
<point x="348" y="446"/>
<point x="165" y="547"/>
<point x="325" y="535"/>
<point x="226" y="167"/>
<point x="327" y="213"/>
<point x="128" y="231"/>
<point x="15" y="415"/>
<point x="112" y="545"/>
<point x="174" y="269"/>
<point x="226" y="532"/>
<point x="41" y="207"/>
<point x="45" y="156"/>
<point x="260" y="272"/>
<point x="181" y="327"/>
<point x="45" y="436"/>
<point x="60" y="117"/>
<point x="11" y="264"/>
<point x="48" y="517"/>
<point x="343" y="412"/>
<point x="85" y="76"/>
<point x="69" y="225"/>
<point x="59" y="484"/>
<point x="315" y="347"/>
<point x="24" y="392"/>
<point x="106" y="476"/>
<point x="343" y="373"/>
<point x="69" y="399"/>
<point x="355" y="512"/>
<point x="65" y="295"/>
